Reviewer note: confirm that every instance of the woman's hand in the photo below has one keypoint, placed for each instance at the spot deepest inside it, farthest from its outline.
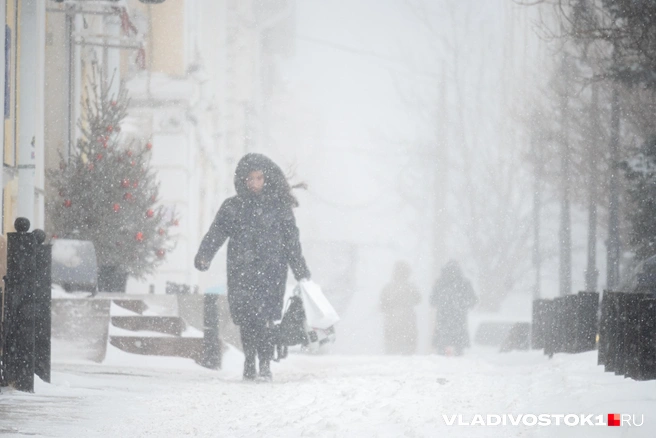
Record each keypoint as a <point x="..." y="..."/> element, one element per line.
<point x="202" y="264"/>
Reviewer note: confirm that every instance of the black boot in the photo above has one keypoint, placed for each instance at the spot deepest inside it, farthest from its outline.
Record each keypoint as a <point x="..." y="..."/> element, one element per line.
<point x="249" y="344"/>
<point x="265" y="370"/>
<point x="249" y="369"/>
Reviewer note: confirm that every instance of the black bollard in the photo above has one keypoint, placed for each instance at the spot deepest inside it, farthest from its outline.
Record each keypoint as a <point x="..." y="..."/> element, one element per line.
<point x="549" y="315"/>
<point x="3" y="376"/>
<point x="604" y="326"/>
<point x="632" y="333"/>
<point x="211" y="354"/>
<point x="613" y="328"/>
<point x="646" y="363"/>
<point x="539" y="324"/>
<point x="18" y="351"/>
<point x="570" y="310"/>
<point x="586" y="321"/>
<point x="561" y="324"/>
<point x="623" y="333"/>
<point x="42" y="306"/>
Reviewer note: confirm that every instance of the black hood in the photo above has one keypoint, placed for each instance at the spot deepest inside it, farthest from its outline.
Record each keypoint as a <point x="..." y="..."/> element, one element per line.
<point x="275" y="183"/>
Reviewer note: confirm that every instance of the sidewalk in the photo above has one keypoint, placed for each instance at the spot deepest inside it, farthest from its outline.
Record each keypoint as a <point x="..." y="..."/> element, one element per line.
<point x="324" y="396"/>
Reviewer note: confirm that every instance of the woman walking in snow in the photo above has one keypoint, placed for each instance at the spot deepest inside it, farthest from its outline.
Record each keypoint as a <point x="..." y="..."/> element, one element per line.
<point x="397" y="302"/>
<point x="263" y="242"/>
<point x="453" y="295"/>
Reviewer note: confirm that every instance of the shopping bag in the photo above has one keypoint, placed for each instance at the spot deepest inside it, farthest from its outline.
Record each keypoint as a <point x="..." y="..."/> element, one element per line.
<point x="308" y="319"/>
<point x="319" y="313"/>
<point x="292" y="327"/>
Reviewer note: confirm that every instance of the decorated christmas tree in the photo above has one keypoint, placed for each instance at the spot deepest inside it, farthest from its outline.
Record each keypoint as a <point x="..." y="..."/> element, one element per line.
<point x="107" y="189"/>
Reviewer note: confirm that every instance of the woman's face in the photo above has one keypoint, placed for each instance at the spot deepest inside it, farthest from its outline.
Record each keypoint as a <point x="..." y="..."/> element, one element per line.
<point x="255" y="181"/>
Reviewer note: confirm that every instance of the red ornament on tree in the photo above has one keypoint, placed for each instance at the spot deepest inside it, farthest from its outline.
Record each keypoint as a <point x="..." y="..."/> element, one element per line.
<point x="91" y="166"/>
<point x="113" y="103"/>
<point x="150" y="213"/>
<point x="175" y="223"/>
<point x="128" y="196"/>
<point x="135" y="184"/>
<point x="149" y="146"/>
<point x="161" y="253"/>
<point x="161" y="231"/>
<point x="110" y="128"/>
<point x="125" y="183"/>
<point x="68" y="203"/>
<point x="129" y="153"/>
<point x="103" y="141"/>
<point x="139" y="237"/>
<point x="132" y="163"/>
<point x="117" y="207"/>
<point x="99" y="157"/>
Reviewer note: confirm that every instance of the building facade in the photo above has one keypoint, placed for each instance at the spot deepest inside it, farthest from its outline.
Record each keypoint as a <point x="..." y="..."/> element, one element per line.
<point x="198" y="73"/>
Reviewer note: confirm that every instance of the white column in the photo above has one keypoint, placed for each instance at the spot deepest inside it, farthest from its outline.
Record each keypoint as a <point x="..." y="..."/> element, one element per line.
<point x="27" y="94"/>
<point x="3" y="20"/>
<point x="40" y="121"/>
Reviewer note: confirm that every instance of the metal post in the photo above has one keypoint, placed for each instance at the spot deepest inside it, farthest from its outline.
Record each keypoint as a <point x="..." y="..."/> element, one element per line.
<point x="634" y="303"/>
<point x="211" y="354"/>
<point x="42" y="306"/>
<point x="603" y="329"/>
<point x="3" y="317"/>
<point x="539" y="326"/>
<point x="586" y="321"/>
<point x="19" y="341"/>
<point x="549" y="315"/>
<point x="611" y="331"/>
<point x="623" y="322"/>
<point x="647" y="341"/>
<point x="568" y="327"/>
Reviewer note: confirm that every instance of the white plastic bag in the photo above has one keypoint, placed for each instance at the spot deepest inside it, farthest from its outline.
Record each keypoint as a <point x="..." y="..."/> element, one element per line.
<point x="319" y="313"/>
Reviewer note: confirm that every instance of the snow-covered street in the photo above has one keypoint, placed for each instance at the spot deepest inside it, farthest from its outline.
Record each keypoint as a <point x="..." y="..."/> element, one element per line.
<point x="329" y="395"/>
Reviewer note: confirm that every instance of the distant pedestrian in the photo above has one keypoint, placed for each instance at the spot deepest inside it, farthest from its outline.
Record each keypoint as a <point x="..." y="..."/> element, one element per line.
<point x="264" y="243"/>
<point x="397" y="302"/>
<point x="453" y="296"/>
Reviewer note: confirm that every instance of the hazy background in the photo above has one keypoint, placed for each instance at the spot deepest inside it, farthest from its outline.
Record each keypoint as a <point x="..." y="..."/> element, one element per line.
<point x="406" y="120"/>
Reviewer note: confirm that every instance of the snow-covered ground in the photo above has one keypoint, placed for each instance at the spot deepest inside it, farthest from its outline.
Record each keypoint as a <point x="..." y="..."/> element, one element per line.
<point x="328" y="395"/>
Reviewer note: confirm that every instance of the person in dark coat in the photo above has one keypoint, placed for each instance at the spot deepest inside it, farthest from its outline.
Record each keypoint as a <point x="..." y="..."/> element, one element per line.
<point x="397" y="302"/>
<point x="263" y="243"/>
<point x="453" y="296"/>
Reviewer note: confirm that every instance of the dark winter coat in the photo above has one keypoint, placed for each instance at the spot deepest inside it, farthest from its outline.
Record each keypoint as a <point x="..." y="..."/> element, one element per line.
<point x="453" y="295"/>
<point x="263" y="242"/>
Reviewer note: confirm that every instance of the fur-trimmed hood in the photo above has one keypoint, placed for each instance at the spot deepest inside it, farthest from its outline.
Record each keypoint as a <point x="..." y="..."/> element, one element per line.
<point x="275" y="183"/>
